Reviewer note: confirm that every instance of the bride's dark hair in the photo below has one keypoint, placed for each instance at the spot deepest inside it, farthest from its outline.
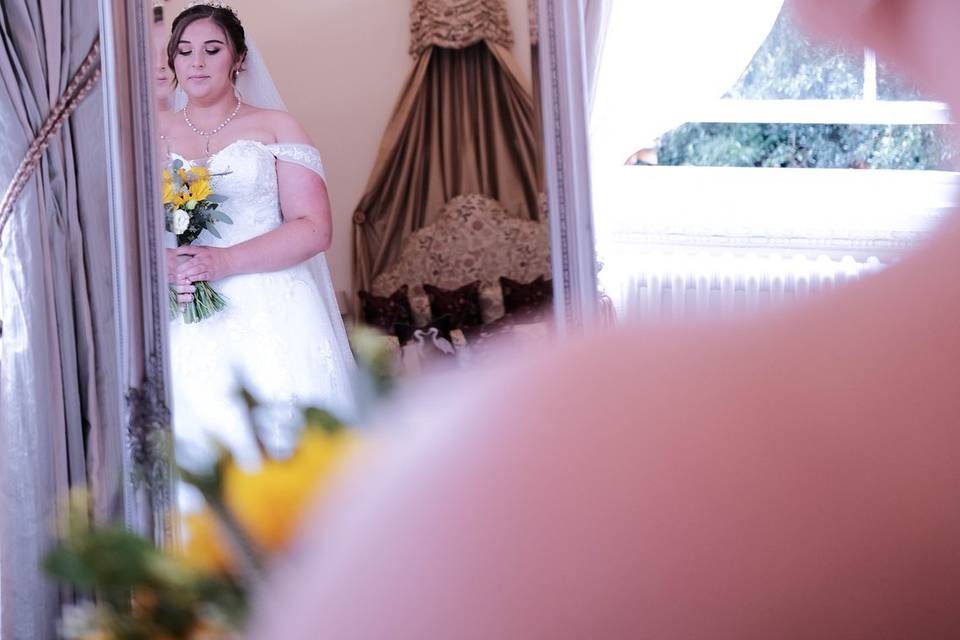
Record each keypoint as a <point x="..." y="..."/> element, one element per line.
<point x="226" y="19"/>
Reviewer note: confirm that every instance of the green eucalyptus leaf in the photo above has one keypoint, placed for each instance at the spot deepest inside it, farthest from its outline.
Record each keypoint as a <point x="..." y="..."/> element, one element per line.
<point x="323" y="420"/>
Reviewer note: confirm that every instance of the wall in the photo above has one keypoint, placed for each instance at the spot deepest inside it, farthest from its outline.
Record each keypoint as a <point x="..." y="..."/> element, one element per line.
<point x="340" y="66"/>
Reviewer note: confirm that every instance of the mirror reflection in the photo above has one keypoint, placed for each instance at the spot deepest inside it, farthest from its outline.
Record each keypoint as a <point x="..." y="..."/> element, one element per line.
<point x="329" y="165"/>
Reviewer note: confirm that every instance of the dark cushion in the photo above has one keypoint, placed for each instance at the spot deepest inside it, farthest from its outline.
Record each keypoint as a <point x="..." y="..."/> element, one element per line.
<point x="462" y="305"/>
<point x="488" y="331"/>
<point x="527" y="299"/>
<point x="386" y="312"/>
<point x="404" y="331"/>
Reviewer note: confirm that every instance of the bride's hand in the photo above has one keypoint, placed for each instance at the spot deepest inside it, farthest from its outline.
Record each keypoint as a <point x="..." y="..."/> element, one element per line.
<point x="184" y="292"/>
<point x="172" y="267"/>
<point x="181" y="285"/>
<point x="204" y="263"/>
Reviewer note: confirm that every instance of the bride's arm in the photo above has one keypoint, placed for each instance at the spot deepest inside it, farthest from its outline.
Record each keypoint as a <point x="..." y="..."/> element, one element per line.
<point x="307" y="227"/>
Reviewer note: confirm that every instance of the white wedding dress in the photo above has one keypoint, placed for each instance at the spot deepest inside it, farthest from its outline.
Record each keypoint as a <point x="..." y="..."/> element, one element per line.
<point x="280" y="335"/>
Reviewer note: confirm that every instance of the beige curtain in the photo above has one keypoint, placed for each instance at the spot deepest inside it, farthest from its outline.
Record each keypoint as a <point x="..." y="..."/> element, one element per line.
<point x="533" y="11"/>
<point x="464" y="123"/>
<point x="57" y="353"/>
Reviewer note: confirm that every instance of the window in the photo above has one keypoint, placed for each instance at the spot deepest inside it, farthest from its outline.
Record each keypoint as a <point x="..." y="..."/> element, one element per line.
<point x="813" y="154"/>
<point x="801" y="104"/>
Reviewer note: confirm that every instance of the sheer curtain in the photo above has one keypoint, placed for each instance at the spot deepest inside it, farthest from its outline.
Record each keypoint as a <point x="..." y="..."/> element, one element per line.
<point x="57" y="350"/>
<point x="596" y="20"/>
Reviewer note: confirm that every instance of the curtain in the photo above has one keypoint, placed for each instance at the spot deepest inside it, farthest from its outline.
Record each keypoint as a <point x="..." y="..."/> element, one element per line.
<point x="533" y="11"/>
<point x="464" y="123"/>
<point x="57" y="349"/>
<point x="596" y="21"/>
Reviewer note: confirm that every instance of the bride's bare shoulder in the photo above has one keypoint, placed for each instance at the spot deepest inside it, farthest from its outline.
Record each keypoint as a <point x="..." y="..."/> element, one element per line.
<point x="284" y="126"/>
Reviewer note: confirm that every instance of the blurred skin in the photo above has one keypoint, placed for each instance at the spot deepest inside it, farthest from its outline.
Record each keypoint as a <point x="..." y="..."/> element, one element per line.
<point x="795" y="476"/>
<point x="917" y="35"/>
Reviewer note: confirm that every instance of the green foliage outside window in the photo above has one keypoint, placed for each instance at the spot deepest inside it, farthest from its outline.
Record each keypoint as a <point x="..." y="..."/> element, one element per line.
<point x="791" y="66"/>
<point x="805" y="145"/>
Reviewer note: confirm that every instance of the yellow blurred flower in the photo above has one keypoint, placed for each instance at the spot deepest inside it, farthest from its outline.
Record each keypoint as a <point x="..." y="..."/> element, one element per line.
<point x="206" y="549"/>
<point x="269" y="502"/>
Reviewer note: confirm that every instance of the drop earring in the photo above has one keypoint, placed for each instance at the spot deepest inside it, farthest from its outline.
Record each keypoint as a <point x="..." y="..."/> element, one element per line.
<point x="236" y="89"/>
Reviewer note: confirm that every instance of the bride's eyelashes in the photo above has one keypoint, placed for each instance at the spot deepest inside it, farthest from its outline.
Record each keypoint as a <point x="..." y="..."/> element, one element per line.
<point x="209" y="52"/>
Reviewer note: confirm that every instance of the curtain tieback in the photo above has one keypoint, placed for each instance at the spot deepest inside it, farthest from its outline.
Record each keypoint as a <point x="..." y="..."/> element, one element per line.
<point x="78" y="88"/>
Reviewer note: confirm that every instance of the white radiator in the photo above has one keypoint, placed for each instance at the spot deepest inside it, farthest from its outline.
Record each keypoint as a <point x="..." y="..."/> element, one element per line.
<point x="665" y="286"/>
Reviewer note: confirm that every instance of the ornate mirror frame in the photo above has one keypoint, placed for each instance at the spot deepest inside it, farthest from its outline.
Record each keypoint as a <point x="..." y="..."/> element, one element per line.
<point x="139" y="274"/>
<point x="140" y="289"/>
<point x="567" y="163"/>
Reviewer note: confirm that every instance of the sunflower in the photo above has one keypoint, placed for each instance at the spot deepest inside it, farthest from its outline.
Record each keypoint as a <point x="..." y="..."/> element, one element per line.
<point x="181" y="197"/>
<point x="168" y="192"/>
<point x="199" y="189"/>
<point x="200" y="172"/>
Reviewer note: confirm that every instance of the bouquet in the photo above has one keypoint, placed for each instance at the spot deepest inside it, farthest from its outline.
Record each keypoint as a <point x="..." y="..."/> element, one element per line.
<point x="203" y="590"/>
<point x="191" y="206"/>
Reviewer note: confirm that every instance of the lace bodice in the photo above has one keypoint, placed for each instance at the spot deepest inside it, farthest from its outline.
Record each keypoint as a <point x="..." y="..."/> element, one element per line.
<point x="249" y="182"/>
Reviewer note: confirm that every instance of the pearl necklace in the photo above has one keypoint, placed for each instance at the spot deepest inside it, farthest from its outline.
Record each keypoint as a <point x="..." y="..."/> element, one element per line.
<point x="213" y="132"/>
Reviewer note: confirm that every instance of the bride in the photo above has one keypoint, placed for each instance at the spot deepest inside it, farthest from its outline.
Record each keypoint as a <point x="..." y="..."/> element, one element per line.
<point x="280" y="335"/>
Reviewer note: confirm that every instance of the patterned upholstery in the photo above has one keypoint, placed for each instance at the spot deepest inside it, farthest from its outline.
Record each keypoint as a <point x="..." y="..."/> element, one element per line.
<point x="473" y="238"/>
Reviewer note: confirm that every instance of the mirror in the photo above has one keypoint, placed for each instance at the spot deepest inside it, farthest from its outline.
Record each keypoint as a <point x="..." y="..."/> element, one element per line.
<point x="453" y="218"/>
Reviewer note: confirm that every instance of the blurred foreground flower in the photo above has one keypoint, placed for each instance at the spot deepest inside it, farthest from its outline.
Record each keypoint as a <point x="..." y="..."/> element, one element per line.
<point x="203" y="591"/>
<point x="268" y="504"/>
<point x="141" y="592"/>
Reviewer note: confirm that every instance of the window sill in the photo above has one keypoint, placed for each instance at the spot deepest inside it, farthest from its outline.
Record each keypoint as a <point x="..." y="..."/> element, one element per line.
<point x="836" y="211"/>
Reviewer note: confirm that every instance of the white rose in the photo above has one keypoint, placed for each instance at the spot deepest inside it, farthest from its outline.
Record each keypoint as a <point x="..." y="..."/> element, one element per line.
<point x="181" y="220"/>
